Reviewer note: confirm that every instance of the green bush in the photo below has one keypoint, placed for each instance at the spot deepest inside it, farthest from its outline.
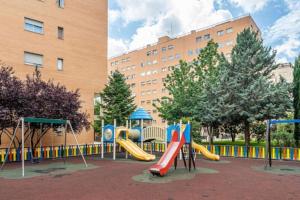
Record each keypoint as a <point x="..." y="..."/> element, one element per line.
<point x="283" y="138"/>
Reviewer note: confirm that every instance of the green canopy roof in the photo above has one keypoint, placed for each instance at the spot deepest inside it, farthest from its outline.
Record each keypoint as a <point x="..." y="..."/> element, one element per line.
<point x="44" y="120"/>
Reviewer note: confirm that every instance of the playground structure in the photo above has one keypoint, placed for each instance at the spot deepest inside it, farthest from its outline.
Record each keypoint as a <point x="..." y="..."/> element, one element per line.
<point x="120" y="135"/>
<point x="268" y="151"/>
<point x="177" y="137"/>
<point x="29" y="120"/>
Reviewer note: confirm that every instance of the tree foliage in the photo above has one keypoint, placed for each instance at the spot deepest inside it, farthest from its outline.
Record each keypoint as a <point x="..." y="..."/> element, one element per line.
<point x="296" y="95"/>
<point x="35" y="97"/>
<point x="117" y="100"/>
<point x="248" y="92"/>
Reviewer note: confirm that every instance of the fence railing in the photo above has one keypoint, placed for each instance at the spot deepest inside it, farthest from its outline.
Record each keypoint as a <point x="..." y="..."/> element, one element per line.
<point x="256" y="152"/>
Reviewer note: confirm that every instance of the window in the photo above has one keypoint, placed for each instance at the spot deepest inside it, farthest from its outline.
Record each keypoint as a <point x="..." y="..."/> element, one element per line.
<point x="142" y="64"/>
<point x="154" y="62"/>
<point x="198" y="39"/>
<point x="229" y="30"/>
<point x="60" y="64"/>
<point x="221" y="45"/>
<point x="163" y="49"/>
<point x="207" y="36"/>
<point x="170" y="47"/>
<point x="142" y="83"/>
<point x="148" y="53"/>
<point x="171" y="57"/>
<point x="164" y="59"/>
<point x="220" y="33"/>
<point x="34" y="26"/>
<point x="61" y="3"/>
<point x="60" y="33"/>
<point x="229" y="43"/>
<point x="33" y="59"/>
<point x="142" y="102"/>
<point x="190" y="52"/>
<point x="154" y="52"/>
<point x="148" y="101"/>
<point x="154" y="81"/>
<point x="164" y="69"/>
<point x="149" y="62"/>
<point x="177" y="56"/>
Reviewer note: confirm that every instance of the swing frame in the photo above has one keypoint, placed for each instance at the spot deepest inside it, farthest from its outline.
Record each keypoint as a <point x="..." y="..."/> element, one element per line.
<point x="268" y="137"/>
<point x="41" y="121"/>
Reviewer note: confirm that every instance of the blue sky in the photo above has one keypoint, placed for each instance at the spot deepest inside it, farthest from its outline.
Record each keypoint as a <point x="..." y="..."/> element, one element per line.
<point x="136" y="23"/>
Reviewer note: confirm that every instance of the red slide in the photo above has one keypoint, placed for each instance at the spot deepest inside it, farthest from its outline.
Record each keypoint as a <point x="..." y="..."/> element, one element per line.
<point x="165" y="162"/>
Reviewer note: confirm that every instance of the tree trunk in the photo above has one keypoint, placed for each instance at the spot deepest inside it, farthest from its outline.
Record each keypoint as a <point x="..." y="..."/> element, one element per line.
<point x="232" y="136"/>
<point x="210" y="134"/>
<point x="247" y="135"/>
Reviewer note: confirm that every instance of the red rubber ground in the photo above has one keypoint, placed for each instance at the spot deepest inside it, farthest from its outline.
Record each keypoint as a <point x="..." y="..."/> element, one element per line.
<point x="113" y="180"/>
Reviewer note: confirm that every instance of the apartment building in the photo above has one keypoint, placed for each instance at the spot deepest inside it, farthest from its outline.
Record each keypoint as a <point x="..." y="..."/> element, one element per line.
<point x="146" y="68"/>
<point x="284" y="70"/>
<point x="66" y="39"/>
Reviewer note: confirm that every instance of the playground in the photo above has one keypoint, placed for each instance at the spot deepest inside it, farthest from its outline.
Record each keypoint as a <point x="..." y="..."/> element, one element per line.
<point x="108" y="179"/>
<point x="128" y="165"/>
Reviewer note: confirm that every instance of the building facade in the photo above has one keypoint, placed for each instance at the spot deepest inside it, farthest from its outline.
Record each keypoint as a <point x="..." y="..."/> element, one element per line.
<point x="146" y="68"/>
<point x="66" y="39"/>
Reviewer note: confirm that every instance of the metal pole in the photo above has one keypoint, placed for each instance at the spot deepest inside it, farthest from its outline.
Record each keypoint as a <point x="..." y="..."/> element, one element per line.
<point x="102" y="139"/>
<point x="126" y="153"/>
<point x="166" y="136"/>
<point x="65" y="145"/>
<point x="23" y="154"/>
<point x="180" y="124"/>
<point x="142" y="132"/>
<point x="267" y="143"/>
<point x="114" y="145"/>
<point x="11" y="141"/>
<point x="77" y="143"/>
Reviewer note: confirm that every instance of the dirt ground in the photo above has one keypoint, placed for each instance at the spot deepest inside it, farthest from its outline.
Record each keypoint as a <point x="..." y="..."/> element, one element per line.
<point x="232" y="179"/>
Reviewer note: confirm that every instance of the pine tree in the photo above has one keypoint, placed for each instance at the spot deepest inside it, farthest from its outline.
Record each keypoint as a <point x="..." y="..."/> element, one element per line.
<point x="248" y="92"/>
<point x="296" y="94"/>
<point x="117" y="100"/>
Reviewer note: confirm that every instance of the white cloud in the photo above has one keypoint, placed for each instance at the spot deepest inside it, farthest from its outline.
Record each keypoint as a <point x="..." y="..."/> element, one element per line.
<point x="285" y="32"/>
<point x="250" y="6"/>
<point x="172" y="17"/>
<point x="116" y="46"/>
<point x="113" y="15"/>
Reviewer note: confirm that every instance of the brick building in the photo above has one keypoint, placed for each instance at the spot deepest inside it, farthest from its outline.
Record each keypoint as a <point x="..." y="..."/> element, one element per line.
<point x="66" y="39"/>
<point x="147" y="67"/>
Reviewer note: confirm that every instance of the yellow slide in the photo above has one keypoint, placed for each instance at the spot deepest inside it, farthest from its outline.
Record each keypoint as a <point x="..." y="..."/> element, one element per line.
<point x="135" y="150"/>
<point x="205" y="152"/>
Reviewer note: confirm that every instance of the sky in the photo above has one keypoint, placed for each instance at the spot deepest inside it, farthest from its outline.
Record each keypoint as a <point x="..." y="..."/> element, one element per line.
<point x="135" y="23"/>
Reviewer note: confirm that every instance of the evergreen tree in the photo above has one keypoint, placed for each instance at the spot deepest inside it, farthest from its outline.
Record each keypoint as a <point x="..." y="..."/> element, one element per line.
<point x="117" y="100"/>
<point x="248" y="92"/>
<point x="296" y="94"/>
<point x="207" y="109"/>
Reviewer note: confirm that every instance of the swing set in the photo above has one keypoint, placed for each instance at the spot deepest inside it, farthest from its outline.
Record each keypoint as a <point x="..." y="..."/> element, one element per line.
<point x="268" y="137"/>
<point x="30" y="120"/>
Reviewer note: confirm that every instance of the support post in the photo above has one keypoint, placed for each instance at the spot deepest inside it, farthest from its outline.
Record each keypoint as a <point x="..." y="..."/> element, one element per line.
<point x="65" y="144"/>
<point x="23" y="154"/>
<point x="180" y="124"/>
<point x="102" y="139"/>
<point x="126" y="153"/>
<point x="68" y="122"/>
<point x="166" y="137"/>
<point x="114" y="144"/>
<point x="268" y="143"/>
<point x="142" y="134"/>
<point x="11" y="141"/>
